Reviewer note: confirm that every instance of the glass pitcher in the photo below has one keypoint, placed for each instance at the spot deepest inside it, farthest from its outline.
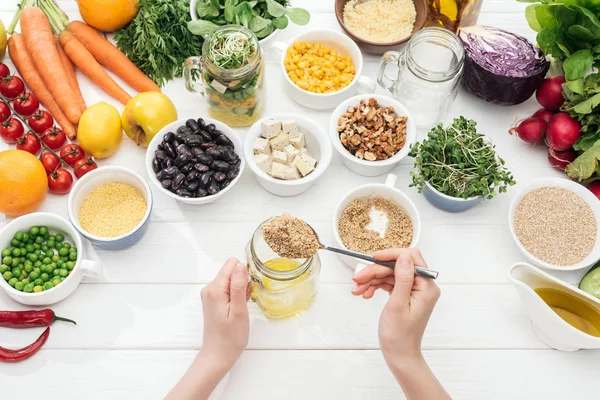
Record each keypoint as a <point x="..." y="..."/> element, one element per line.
<point x="235" y="96"/>
<point x="452" y="14"/>
<point x="429" y="71"/>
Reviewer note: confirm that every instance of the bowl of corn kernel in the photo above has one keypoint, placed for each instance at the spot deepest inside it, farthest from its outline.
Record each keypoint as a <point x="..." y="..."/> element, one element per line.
<point x="322" y="68"/>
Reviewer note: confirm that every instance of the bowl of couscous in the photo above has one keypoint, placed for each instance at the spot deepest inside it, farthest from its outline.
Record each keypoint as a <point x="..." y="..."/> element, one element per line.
<point x="111" y="207"/>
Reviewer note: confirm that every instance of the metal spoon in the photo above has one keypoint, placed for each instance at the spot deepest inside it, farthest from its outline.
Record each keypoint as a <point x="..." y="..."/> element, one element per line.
<point x="427" y="273"/>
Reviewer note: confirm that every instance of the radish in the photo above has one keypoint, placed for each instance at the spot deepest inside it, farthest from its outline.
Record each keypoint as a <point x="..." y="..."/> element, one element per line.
<point x="560" y="159"/>
<point x="550" y="93"/>
<point x="562" y="132"/>
<point x="544" y="114"/>
<point x="531" y="129"/>
<point x="595" y="188"/>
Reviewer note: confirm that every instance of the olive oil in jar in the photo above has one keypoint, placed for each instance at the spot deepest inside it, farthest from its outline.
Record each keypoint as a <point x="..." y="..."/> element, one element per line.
<point x="452" y="14"/>
<point x="572" y="310"/>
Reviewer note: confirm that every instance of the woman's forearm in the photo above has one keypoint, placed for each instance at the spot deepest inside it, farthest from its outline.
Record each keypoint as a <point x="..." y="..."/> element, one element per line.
<point x="418" y="381"/>
<point x="200" y="380"/>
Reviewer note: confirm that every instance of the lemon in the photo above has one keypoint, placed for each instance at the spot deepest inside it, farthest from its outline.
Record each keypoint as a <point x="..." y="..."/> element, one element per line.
<point x="3" y="39"/>
<point x="100" y="131"/>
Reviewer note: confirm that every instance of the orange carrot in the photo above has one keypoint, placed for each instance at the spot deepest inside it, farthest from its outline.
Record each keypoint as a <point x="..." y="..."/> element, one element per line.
<point x="39" y="41"/>
<point x="24" y="64"/>
<point x="111" y="57"/>
<point x="86" y="62"/>
<point x="70" y="70"/>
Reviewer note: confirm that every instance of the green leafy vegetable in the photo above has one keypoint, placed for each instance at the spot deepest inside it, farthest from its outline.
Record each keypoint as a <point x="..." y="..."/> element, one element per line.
<point x="459" y="162"/>
<point x="586" y="164"/>
<point x="231" y="50"/>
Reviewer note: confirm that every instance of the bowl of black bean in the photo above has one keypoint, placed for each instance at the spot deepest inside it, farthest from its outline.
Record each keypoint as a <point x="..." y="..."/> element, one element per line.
<point x="195" y="161"/>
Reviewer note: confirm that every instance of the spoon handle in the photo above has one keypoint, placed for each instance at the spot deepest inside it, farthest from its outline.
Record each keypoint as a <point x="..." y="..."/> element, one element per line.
<point x="427" y="273"/>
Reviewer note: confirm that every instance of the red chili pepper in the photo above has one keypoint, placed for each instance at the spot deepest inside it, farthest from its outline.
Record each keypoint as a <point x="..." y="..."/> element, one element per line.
<point x="29" y="319"/>
<point x="11" y="356"/>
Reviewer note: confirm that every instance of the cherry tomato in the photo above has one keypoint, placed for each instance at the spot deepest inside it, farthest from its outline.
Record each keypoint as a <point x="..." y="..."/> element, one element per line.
<point x="60" y="181"/>
<point x="54" y="138"/>
<point x="50" y="161"/>
<point x="40" y="121"/>
<point x="29" y="143"/>
<point x="4" y="111"/>
<point x="4" y="71"/>
<point x="11" y="86"/>
<point x="83" y="166"/>
<point x="26" y="104"/>
<point x="11" y="130"/>
<point x="71" y="153"/>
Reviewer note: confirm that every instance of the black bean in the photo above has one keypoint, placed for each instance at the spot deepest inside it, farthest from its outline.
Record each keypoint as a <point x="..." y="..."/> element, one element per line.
<point x="224" y="141"/>
<point x="194" y="140"/>
<point x="156" y="165"/>
<point x="160" y="146"/>
<point x="218" y="153"/>
<point x="201" y="123"/>
<point x="184" y="130"/>
<point x="177" y="181"/>
<point x="187" y="168"/>
<point x="207" y="145"/>
<point x="181" y="160"/>
<point x="201" y="167"/>
<point x="183" y="149"/>
<point x="193" y="186"/>
<point x="219" y="176"/>
<point x="205" y="159"/>
<point x="170" y="149"/>
<point x="192" y="175"/>
<point x="205" y="178"/>
<point x="169" y="137"/>
<point x="232" y="173"/>
<point x="231" y="157"/>
<point x="166" y="183"/>
<point x="168" y="163"/>
<point x="213" y="188"/>
<point x="161" y="155"/>
<point x="196" y="151"/>
<point x="170" y="172"/>
<point x="226" y="183"/>
<point x="160" y="175"/>
<point x="183" y="193"/>
<point x="215" y="133"/>
<point x="201" y="192"/>
<point x="221" y="166"/>
<point x="210" y="128"/>
<point x="206" y="136"/>
<point x="192" y="124"/>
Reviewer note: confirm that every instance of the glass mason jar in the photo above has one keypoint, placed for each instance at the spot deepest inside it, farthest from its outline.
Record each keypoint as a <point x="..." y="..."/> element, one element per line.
<point x="282" y="287"/>
<point x="235" y="96"/>
<point x="429" y="71"/>
<point x="452" y="14"/>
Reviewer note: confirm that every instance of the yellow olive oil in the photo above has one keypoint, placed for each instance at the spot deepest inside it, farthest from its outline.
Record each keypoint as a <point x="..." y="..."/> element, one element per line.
<point x="572" y="310"/>
<point x="452" y="14"/>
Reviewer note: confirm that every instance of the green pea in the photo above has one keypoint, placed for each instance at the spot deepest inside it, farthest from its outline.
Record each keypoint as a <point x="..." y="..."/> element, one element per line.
<point x="28" y="267"/>
<point x="30" y="248"/>
<point x="15" y="262"/>
<point x="58" y="246"/>
<point x="70" y="265"/>
<point x="56" y="281"/>
<point x="25" y="281"/>
<point x="37" y="264"/>
<point x="48" y="285"/>
<point x="38" y="288"/>
<point x="51" y="237"/>
<point x="53" y="265"/>
<point x="73" y="256"/>
<point x="7" y="260"/>
<point x="32" y="257"/>
<point x="63" y="272"/>
<point x="28" y="288"/>
<point x="16" y="253"/>
<point x="44" y="248"/>
<point x="44" y="277"/>
<point x="39" y="240"/>
<point x="62" y="278"/>
<point x="13" y="281"/>
<point x="23" y="275"/>
<point x="63" y="252"/>
<point x="56" y="272"/>
<point x="47" y="260"/>
<point x="16" y="272"/>
<point x="67" y="245"/>
<point x="38" y="282"/>
<point x="34" y="275"/>
<point x="19" y="286"/>
<point x="19" y="236"/>
<point x="50" y="244"/>
<point x="60" y="263"/>
<point x="27" y="262"/>
<point x="34" y="231"/>
<point x="15" y="242"/>
<point x="7" y="275"/>
<point x="6" y="253"/>
<point x="37" y="246"/>
<point x="43" y="231"/>
<point x="55" y="258"/>
<point x="59" y="237"/>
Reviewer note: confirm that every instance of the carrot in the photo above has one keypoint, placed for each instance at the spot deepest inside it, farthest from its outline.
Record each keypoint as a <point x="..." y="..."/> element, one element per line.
<point x="39" y="41"/>
<point x="70" y="70"/>
<point x="86" y="62"/>
<point x="111" y="57"/>
<point x="24" y="64"/>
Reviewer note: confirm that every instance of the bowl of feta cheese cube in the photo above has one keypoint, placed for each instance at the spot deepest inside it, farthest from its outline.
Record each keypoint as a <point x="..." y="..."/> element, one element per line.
<point x="287" y="153"/>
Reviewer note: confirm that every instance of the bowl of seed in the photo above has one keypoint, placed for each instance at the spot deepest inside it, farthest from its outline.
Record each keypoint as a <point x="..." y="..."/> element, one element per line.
<point x="111" y="207"/>
<point x="555" y="222"/>
<point x="375" y="217"/>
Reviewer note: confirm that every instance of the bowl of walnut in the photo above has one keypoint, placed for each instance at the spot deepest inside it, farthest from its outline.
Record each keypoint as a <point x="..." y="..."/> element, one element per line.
<point x="372" y="133"/>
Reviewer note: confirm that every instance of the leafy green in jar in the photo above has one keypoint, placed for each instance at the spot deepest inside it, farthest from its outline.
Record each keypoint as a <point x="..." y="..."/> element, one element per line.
<point x="459" y="162"/>
<point x="231" y="50"/>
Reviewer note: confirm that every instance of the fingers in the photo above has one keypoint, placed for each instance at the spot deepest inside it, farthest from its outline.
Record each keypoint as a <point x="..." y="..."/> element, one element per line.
<point x="373" y="271"/>
<point x="249" y="291"/>
<point x="360" y="289"/>
<point x="372" y="289"/>
<point x="393" y="254"/>
<point x="224" y="275"/>
<point x="404" y="274"/>
<point x="238" y="290"/>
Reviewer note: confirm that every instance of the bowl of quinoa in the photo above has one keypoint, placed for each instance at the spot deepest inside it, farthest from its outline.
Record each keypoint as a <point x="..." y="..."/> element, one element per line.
<point x="111" y="207"/>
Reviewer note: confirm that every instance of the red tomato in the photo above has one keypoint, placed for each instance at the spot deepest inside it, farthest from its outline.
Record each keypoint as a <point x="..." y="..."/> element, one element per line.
<point x="4" y="111"/>
<point x="11" y="130"/>
<point x="60" y="181"/>
<point x="50" y="161"/>
<point x="71" y="153"/>
<point x="4" y="71"/>
<point x="83" y="166"/>
<point x="26" y="104"/>
<point x="40" y="121"/>
<point x="29" y="143"/>
<point x="54" y="138"/>
<point x="11" y="86"/>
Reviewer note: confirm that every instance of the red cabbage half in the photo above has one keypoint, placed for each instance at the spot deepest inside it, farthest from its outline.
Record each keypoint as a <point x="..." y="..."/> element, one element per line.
<point x="501" y="67"/>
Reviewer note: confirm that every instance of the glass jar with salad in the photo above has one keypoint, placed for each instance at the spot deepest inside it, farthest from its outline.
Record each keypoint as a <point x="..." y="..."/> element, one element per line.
<point x="230" y="75"/>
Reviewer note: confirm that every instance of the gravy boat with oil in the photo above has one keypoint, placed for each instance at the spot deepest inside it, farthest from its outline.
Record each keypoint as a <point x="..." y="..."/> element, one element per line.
<point x="547" y="324"/>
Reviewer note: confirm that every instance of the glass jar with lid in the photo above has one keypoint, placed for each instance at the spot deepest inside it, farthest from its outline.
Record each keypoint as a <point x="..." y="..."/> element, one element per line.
<point x="429" y="71"/>
<point x="230" y="75"/>
<point x="452" y="14"/>
<point x="282" y="287"/>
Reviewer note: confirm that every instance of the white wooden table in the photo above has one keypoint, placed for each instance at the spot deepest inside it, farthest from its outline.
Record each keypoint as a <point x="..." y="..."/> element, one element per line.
<point x="140" y="327"/>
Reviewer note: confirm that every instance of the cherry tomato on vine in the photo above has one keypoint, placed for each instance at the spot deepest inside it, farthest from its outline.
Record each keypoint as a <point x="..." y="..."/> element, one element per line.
<point x="26" y="104"/>
<point x="40" y="121"/>
<point x="4" y="70"/>
<point x="83" y="166"/>
<point x="29" y="143"/>
<point x="60" y="181"/>
<point x="11" y="130"/>
<point x="5" y="112"/>
<point x="11" y="86"/>
<point x="50" y="161"/>
<point x="54" y="138"/>
<point x="71" y="153"/>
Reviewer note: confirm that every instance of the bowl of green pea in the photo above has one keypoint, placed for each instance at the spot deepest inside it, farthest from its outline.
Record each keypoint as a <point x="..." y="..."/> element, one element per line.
<point x="42" y="260"/>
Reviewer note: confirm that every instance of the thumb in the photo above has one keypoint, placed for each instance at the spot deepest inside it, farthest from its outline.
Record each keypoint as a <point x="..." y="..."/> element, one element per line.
<point x="404" y="274"/>
<point x="237" y="289"/>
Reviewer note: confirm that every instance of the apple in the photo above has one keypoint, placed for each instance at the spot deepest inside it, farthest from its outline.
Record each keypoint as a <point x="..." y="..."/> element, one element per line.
<point x="145" y="115"/>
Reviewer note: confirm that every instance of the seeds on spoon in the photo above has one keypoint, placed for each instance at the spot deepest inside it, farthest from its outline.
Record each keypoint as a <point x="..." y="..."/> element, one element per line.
<point x="290" y="237"/>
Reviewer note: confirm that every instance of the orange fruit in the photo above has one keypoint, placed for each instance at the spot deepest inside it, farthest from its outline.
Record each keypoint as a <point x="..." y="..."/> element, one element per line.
<point x="23" y="182"/>
<point x="107" y="15"/>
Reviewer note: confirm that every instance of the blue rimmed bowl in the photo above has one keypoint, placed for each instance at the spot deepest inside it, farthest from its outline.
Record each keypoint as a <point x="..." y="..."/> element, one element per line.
<point x="448" y="203"/>
<point x="96" y="178"/>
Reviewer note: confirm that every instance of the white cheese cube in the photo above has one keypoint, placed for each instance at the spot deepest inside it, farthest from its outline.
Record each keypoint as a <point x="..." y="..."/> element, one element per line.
<point x="280" y="157"/>
<point x="305" y="164"/>
<point x="263" y="162"/>
<point x="279" y="142"/>
<point x="262" y="146"/>
<point x="298" y="141"/>
<point x="291" y="152"/>
<point x="289" y="127"/>
<point x="270" y="128"/>
<point x="285" y="172"/>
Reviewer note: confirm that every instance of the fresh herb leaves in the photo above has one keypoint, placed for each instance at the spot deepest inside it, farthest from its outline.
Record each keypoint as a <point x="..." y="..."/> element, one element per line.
<point x="459" y="162"/>
<point x="231" y="50"/>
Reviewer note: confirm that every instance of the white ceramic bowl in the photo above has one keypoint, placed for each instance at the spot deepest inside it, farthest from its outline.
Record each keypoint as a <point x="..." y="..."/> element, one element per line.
<point x="153" y="146"/>
<point x="318" y="147"/>
<point x="55" y="224"/>
<point x="581" y="191"/>
<point x="343" y="44"/>
<point x="364" y="167"/>
<point x="96" y="178"/>
<point x="386" y="190"/>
